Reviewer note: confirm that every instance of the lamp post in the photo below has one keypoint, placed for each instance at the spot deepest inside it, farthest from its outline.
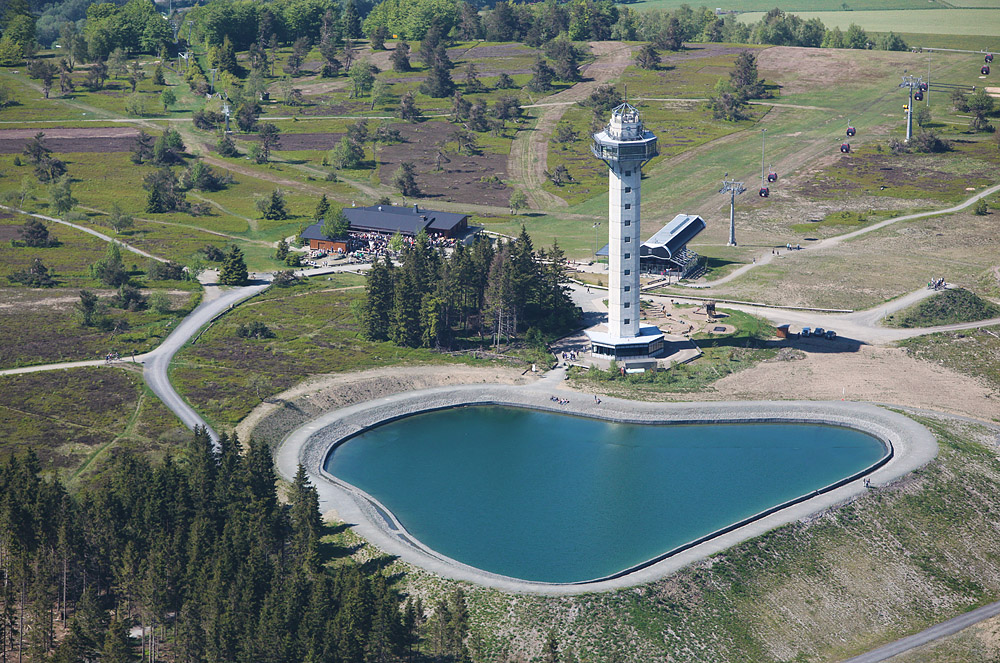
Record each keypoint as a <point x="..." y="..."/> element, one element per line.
<point x="597" y="224"/>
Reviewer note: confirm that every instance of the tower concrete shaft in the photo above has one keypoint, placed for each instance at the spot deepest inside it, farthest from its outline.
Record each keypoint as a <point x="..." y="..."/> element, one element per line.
<point x="624" y="145"/>
<point x="624" y="193"/>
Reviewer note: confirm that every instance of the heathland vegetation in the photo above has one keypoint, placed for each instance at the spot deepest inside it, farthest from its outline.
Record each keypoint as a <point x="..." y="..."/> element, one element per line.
<point x="122" y="535"/>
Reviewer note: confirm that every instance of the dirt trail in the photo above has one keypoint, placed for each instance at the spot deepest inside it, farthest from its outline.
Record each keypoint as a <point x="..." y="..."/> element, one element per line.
<point x="529" y="151"/>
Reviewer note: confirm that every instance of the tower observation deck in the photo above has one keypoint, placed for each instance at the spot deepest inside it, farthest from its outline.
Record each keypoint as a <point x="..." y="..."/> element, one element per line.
<point x="625" y="145"/>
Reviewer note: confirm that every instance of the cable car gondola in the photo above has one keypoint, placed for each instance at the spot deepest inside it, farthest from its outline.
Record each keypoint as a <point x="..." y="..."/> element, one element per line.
<point x="850" y="131"/>
<point x="922" y="87"/>
<point x="845" y="148"/>
<point x="771" y="176"/>
<point x="985" y="70"/>
<point x="918" y="96"/>
<point x="989" y="58"/>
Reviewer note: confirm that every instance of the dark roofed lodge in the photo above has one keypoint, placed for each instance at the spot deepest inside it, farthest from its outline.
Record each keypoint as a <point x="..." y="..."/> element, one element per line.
<point x="389" y="220"/>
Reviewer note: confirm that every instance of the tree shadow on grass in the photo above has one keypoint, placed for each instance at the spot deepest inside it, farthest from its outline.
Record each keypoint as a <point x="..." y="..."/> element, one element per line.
<point x="377" y="564"/>
<point x="812" y="345"/>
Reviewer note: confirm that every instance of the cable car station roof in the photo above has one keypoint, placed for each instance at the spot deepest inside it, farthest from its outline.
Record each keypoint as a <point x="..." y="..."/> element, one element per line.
<point x="673" y="237"/>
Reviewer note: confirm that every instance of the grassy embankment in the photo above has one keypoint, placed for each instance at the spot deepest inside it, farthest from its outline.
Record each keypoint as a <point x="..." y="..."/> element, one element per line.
<point x="945" y="308"/>
<point x="722" y="355"/>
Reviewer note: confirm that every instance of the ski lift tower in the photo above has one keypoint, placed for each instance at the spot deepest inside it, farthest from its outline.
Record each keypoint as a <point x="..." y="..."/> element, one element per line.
<point x="625" y="145"/>
<point x="910" y="82"/>
<point x="733" y="188"/>
<point x="226" y="111"/>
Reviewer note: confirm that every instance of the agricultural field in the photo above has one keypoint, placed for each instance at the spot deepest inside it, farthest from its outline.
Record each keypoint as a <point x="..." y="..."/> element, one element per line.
<point x="983" y="23"/>
<point x="797" y="6"/>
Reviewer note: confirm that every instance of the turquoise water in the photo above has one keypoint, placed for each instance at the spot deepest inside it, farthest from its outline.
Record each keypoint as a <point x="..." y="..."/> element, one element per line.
<point x="557" y="498"/>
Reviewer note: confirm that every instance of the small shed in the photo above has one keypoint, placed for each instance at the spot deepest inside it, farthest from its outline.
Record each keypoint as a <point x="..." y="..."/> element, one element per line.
<point x="783" y="330"/>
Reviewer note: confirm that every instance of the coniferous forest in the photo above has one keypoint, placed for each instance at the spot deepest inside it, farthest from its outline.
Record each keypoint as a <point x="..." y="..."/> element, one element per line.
<point x="433" y="299"/>
<point x="193" y="559"/>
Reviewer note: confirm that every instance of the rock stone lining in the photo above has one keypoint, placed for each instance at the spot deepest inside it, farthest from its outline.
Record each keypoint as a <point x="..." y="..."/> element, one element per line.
<point x="908" y="444"/>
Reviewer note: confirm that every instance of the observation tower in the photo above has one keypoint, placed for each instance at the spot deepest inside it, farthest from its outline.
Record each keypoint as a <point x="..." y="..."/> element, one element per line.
<point x="625" y="145"/>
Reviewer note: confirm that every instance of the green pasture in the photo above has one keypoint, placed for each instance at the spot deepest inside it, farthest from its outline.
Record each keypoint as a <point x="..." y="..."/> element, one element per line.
<point x="981" y="22"/>
<point x="812" y="123"/>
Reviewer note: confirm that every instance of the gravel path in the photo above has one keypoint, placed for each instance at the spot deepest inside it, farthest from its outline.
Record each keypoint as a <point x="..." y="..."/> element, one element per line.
<point x="832" y="242"/>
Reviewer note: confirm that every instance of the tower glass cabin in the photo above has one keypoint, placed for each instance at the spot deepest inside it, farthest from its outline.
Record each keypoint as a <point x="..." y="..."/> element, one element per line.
<point x="625" y="145"/>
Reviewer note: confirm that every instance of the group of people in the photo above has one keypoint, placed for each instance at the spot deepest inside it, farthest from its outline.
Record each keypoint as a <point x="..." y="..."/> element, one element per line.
<point x="937" y="284"/>
<point x="561" y="401"/>
<point x="366" y="247"/>
<point x="569" y="355"/>
<point x="111" y="356"/>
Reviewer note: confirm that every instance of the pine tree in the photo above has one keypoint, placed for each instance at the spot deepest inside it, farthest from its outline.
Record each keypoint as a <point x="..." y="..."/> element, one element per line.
<point x="438" y="83"/>
<point x="408" y="110"/>
<point x="542" y="77"/>
<point x="405" y="324"/>
<point x="648" y="57"/>
<point x="110" y="270"/>
<point x="117" y="644"/>
<point x="322" y="207"/>
<point x="234" y="268"/>
<point x="400" y="57"/>
<point x="405" y="179"/>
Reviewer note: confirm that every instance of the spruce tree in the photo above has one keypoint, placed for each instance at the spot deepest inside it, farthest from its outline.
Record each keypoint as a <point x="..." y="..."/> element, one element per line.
<point x="322" y="207"/>
<point x="234" y="268"/>
<point x="380" y="290"/>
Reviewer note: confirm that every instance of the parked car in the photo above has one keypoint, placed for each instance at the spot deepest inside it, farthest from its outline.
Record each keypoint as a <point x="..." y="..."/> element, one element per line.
<point x="819" y="331"/>
<point x="830" y="335"/>
<point x="806" y="331"/>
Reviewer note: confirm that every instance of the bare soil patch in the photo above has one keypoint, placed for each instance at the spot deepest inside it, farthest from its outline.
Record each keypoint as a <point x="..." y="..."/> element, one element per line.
<point x="876" y="374"/>
<point x="460" y="180"/>
<point x="804" y="69"/>
<point x="284" y="412"/>
<point x="314" y="141"/>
